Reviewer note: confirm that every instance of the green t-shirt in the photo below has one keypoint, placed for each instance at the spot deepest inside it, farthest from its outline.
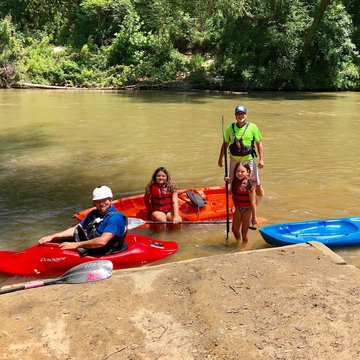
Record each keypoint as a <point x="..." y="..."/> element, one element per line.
<point x="252" y="132"/>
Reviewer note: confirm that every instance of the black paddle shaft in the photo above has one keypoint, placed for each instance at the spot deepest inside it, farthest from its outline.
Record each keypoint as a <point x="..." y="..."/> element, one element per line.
<point x="226" y="184"/>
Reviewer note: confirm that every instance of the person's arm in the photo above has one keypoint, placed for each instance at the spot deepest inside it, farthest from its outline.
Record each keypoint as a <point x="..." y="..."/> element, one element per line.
<point x="66" y="234"/>
<point x="175" y="200"/>
<point x="224" y="146"/>
<point x="95" y="243"/>
<point x="260" y="150"/>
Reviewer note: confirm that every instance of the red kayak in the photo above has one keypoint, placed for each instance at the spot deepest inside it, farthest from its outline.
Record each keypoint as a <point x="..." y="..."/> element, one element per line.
<point x="212" y="206"/>
<point x="49" y="260"/>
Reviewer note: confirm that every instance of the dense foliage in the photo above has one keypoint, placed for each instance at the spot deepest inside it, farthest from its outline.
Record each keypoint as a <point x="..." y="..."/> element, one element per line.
<point x="204" y="44"/>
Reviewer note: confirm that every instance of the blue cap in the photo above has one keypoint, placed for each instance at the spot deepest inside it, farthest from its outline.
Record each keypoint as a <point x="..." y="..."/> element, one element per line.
<point x="240" y="108"/>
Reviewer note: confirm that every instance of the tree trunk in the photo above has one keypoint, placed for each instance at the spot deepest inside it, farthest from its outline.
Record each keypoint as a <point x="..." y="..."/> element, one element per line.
<point x="309" y="36"/>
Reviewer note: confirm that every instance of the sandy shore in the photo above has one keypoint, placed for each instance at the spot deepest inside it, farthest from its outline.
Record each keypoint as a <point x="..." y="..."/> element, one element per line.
<point x="298" y="302"/>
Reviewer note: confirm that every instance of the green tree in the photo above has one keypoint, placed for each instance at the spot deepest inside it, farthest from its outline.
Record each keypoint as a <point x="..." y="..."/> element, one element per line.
<point x="311" y="32"/>
<point x="332" y="55"/>
<point x="131" y="45"/>
<point x="353" y="8"/>
<point x="10" y="48"/>
<point x="35" y="15"/>
<point x="183" y="22"/>
<point x="229" y="44"/>
<point x="99" y="20"/>
<point x="258" y="43"/>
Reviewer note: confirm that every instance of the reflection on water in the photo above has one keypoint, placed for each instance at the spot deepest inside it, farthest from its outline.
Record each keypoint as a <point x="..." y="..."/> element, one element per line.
<point x="56" y="146"/>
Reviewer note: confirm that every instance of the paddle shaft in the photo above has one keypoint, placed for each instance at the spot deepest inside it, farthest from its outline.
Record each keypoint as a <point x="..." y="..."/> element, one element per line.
<point x="26" y="286"/>
<point x="226" y="184"/>
<point x="136" y="222"/>
<point x="188" y="222"/>
<point x="195" y="223"/>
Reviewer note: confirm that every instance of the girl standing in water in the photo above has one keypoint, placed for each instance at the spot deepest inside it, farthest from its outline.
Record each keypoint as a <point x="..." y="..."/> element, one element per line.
<point x="244" y="199"/>
<point x="161" y="197"/>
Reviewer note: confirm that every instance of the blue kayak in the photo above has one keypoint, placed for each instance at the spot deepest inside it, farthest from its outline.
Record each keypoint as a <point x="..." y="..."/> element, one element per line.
<point x="341" y="232"/>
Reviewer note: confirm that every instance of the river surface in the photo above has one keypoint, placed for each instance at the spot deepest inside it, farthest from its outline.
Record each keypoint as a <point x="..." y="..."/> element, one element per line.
<point x="56" y="146"/>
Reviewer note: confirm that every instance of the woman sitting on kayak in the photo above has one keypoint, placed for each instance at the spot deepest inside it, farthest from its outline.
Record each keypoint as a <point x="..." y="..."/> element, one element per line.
<point x="102" y="232"/>
<point x="161" y="197"/>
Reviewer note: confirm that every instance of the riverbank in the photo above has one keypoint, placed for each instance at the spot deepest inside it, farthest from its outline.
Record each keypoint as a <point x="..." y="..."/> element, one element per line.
<point x="296" y="302"/>
<point x="178" y="86"/>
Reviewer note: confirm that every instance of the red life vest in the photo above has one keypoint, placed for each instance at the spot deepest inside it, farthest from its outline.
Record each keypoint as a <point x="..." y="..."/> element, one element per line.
<point x="161" y="198"/>
<point x="240" y="192"/>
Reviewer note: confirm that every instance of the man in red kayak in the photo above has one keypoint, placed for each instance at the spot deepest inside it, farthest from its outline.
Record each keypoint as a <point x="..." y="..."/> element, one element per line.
<point x="102" y="231"/>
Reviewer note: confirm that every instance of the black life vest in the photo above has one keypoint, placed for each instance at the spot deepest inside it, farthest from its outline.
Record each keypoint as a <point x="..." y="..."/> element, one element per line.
<point x="89" y="231"/>
<point x="237" y="147"/>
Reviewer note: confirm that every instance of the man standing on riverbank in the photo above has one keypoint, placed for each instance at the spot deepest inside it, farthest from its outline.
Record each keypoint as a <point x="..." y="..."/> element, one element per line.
<point x="245" y="145"/>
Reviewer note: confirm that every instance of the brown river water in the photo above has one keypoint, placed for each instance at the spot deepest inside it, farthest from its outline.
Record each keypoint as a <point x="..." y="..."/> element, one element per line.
<point x="56" y="146"/>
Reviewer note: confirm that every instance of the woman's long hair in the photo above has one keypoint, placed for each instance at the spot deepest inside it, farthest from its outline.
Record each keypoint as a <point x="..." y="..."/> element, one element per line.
<point x="169" y="184"/>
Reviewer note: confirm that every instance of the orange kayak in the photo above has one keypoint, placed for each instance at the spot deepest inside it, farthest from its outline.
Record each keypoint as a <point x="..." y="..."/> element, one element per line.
<point x="213" y="205"/>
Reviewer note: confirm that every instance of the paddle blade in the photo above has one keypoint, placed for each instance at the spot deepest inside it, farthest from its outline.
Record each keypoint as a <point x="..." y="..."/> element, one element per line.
<point x="87" y="272"/>
<point x="261" y="220"/>
<point x="135" y="222"/>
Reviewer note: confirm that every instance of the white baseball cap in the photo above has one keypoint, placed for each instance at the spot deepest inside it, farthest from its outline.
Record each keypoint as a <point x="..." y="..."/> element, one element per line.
<point x="102" y="192"/>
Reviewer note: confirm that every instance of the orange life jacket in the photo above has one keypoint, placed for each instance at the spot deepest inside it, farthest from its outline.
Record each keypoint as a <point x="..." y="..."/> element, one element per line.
<point x="240" y="192"/>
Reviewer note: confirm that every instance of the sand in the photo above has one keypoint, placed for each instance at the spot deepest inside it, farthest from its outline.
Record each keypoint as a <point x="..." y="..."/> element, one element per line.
<point x="295" y="302"/>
